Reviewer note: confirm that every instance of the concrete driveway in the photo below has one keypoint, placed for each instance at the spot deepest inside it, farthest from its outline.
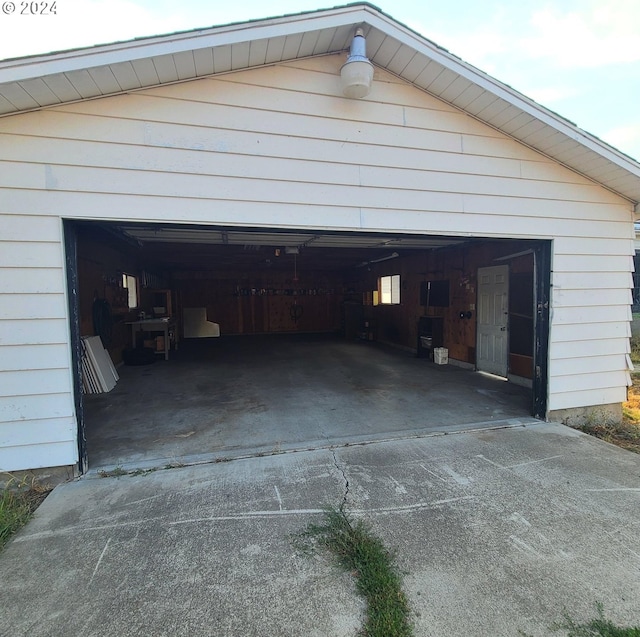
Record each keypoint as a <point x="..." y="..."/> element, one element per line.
<point x="496" y="531"/>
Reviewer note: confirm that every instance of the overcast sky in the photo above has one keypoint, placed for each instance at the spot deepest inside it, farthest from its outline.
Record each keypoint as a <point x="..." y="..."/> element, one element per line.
<point x="580" y="58"/>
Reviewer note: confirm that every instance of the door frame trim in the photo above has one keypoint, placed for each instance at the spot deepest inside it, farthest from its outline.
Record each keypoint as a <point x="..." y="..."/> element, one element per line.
<point x="71" y="262"/>
<point x="542" y="305"/>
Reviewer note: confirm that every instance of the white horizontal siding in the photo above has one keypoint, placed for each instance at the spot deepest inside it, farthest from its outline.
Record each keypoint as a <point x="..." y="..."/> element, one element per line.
<point x="430" y="191"/>
<point x="26" y="357"/>
<point x="66" y="135"/>
<point x="596" y="245"/>
<point x="52" y="430"/>
<point x="586" y="298"/>
<point x="280" y="147"/>
<point x="592" y="314"/>
<point x="587" y="397"/>
<point x="208" y="165"/>
<point x="589" y="363"/>
<point x="37" y="414"/>
<point x="19" y="409"/>
<point x="33" y="306"/>
<point x="36" y="456"/>
<point x="435" y="219"/>
<point x="589" y="340"/>
<point x="24" y="382"/>
<point x="591" y="381"/>
<point x="592" y="280"/>
<point x="36" y="228"/>
<point x="588" y="331"/>
<point x="28" y="280"/>
<point x="593" y="263"/>
<point x="34" y="331"/>
<point x="583" y="350"/>
<point x="46" y="255"/>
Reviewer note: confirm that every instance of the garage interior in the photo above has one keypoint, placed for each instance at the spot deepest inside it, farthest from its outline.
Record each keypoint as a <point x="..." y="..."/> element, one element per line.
<point x="278" y="340"/>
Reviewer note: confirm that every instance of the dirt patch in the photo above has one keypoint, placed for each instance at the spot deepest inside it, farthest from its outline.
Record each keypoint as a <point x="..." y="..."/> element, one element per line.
<point x="625" y="434"/>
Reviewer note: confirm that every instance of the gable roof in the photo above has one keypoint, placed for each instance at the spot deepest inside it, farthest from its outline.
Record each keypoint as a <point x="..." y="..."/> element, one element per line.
<point x="39" y="81"/>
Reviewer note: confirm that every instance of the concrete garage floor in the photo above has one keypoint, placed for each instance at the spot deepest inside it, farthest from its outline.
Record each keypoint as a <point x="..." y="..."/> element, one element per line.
<point x="238" y="396"/>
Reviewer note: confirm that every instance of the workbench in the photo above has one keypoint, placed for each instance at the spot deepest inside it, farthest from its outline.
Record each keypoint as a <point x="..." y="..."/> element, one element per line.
<point x="165" y="325"/>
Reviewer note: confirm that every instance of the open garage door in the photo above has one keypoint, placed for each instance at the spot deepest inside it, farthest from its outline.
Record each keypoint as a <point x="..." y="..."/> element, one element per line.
<point x="266" y="340"/>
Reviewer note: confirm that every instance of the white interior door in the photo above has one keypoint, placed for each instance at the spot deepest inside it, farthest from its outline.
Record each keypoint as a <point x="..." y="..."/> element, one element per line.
<point x="492" y="346"/>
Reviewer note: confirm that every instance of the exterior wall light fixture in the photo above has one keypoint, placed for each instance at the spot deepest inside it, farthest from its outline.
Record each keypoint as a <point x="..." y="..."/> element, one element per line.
<point x="357" y="72"/>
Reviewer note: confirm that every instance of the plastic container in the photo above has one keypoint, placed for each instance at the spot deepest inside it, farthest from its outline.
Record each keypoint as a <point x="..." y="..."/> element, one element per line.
<point x="440" y="355"/>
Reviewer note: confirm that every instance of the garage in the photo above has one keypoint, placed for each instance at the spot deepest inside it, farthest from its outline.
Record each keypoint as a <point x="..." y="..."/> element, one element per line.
<point x="299" y="343"/>
<point x="306" y="254"/>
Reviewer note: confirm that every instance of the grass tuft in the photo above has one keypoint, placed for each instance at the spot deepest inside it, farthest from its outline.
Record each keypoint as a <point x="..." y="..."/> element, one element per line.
<point x="625" y="434"/>
<point x="116" y="472"/>
<point x="362" y="554"/>
<point x="635" y="348"/>
<point x="18" y="501"/>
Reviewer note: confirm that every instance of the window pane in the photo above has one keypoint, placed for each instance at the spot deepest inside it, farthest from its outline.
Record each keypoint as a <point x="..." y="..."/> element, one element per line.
<point x="132" y="290"/>
<point x="389" y="290"/>
<point x="385" y="289"/>
<point x="395" y="289"/>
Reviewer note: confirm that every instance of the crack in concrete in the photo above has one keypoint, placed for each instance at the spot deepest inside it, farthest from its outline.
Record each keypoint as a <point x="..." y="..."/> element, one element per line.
<point x="346" y="481"/>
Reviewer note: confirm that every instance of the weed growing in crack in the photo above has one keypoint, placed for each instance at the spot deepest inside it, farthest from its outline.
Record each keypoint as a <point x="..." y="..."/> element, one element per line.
<point x="362" y="554"/>
<point x="116" y="472"/>
<point x="598" y="627"/>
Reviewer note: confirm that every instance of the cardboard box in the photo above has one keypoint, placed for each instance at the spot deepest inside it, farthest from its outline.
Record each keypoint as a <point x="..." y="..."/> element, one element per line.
<point x="159" y="343"/>
<point x="440" y="355"/>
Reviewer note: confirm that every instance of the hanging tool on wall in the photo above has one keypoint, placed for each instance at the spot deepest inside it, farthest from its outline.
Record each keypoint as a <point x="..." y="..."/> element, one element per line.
<point x="102" y="319"/>
<point x="296" y="310"/>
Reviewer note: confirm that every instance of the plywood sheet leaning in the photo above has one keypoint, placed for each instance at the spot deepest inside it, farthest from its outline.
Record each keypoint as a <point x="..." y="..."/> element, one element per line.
<point x="98" y="372"/>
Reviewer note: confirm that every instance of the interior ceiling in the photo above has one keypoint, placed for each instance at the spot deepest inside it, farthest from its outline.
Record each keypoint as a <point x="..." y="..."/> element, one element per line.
<point x="248" y="249"/>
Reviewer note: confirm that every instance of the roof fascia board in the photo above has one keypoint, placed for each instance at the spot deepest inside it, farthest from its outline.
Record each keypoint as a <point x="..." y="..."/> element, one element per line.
<point x="422" y="45"/>
<point x="22" y="69"/>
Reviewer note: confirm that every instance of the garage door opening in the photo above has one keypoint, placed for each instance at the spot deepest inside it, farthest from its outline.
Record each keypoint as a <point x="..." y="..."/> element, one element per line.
<point x="264" y="340"/>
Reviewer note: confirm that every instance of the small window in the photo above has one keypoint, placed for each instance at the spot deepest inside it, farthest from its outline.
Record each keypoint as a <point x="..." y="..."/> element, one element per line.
<point x="389" y="287"/>
<point x="130" y="283"/>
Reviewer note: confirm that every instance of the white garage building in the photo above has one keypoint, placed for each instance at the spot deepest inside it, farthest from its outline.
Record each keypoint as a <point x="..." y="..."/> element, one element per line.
<point x="168" y="165"/>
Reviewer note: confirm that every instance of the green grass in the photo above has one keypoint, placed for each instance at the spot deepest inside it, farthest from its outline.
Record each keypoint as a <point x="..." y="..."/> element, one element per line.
<point x="362" y="554"/>
<point x="18" y="501"/>
<point x="598" y="627"/>
<point x="635" y="348"/>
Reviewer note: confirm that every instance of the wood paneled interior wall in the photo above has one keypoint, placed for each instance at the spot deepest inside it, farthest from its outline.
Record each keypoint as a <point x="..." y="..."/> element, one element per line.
<point x="259" y="302"/>
<point x="521" y="316"/>
<point x="398" y="324"/>
<point x="262" y="302"/>
<point x="100" y="263"/>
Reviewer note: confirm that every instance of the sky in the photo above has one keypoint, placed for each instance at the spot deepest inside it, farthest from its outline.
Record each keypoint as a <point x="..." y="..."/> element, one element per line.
<point x="579" y="58"/>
